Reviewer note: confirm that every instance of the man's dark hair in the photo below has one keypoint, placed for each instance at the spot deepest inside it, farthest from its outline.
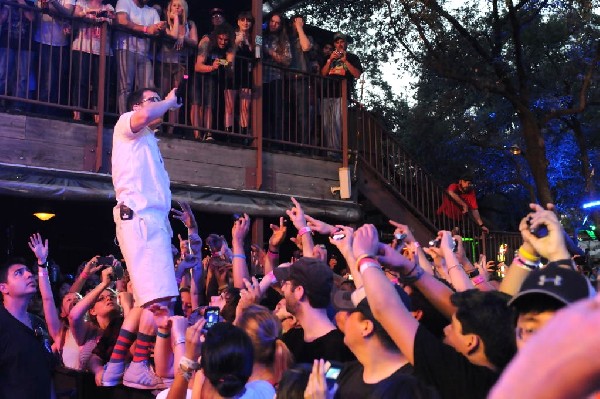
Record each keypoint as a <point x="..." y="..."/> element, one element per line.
<point x="385" y="339"/>
<point x="7" y="264"/>
<point x="488" y="315"/>
<point x="137" y="97"/>
<point x="184" y="289"/>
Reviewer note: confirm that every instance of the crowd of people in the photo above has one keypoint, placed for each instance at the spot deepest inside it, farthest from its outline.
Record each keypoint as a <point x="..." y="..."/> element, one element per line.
<point x="50" y="52"/>
<point x="394" y="325"/>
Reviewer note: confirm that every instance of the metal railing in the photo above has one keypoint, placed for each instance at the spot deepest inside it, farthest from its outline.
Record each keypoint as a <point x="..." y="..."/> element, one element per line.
<point x="86" y="74"/>
<point x="383" y="154"/>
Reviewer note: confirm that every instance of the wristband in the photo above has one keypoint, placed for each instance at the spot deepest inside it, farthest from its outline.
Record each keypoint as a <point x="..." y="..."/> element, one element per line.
<point x="411" y="270"/>
<point x="44" y="265"/>
<point x="478" y="279"/>
<point x="180" y="340"/>
<point x="273" y="252"/>
<point x="525" y="264"/>
<point x="452" y="267"/>
<point x="271" y="275"/>
<point x="84" y="275"/>
<point x="408" y="279"/>
<point x="188" y="364"/>
<point x="163" y="335"/>
<point x="363" y="256"/>
<point x="42" y="272"/>
<point x="528" y="256"/>
<point x="368" y="264"/>
<point x="241" y="256"/>
<point x="145" y="29"/>
<point x="304" y="230"/>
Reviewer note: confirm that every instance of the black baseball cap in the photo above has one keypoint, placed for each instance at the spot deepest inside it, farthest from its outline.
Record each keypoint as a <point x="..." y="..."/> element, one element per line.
<point x="342" y="301"/>
<point x="313" y="275"/>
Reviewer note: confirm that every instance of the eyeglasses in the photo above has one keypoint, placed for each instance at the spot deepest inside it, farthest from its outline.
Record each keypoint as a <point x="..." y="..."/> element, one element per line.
<point x="154" y="99"/>
<point x="217" y="16"/>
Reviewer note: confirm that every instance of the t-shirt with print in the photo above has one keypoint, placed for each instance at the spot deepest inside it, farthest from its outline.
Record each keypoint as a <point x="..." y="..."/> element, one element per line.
<point x="51" y="30"/>
<point x="338" y="71"/>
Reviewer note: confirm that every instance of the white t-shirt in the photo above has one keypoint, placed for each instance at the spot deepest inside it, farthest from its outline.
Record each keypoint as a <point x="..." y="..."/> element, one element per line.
<point x="138" y="172"/>
<point x="49" y="30"/>
<point x="145" y="16"/>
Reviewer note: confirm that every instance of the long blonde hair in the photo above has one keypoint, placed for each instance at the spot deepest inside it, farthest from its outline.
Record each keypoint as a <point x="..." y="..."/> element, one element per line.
<point x="264" y="330"/>
<point x="184" y="15"/>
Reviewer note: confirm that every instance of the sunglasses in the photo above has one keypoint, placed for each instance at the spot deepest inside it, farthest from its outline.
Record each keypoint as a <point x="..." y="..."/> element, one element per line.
<point x="154" y="99"/>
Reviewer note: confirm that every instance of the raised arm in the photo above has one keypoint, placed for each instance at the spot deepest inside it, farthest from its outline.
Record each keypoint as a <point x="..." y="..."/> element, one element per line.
<point x="152" y="111"/>
<point x="277" y="237"/>
<point x="342" y="239"/>
<point x="90" y="268"/>
<point x="39" y="248"/>
<point x="386" y="305"/>
<point x="296" y="215"/>
<point x="240" y="268"/>
<point x="77" y="314"/>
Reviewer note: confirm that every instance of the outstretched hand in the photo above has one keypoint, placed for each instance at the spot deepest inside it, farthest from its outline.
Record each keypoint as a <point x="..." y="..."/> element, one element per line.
<point x="296" y="215"/>
<point x="39" y="247"/>
<point x="278" y="235"/>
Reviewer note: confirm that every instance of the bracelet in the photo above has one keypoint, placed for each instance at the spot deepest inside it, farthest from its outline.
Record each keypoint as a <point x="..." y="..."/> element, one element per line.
<point x="42" y="272"/>
<point x="368" y="264"/>
<point x="273" y="252"/>
<point x="452" y="267"/>
<point x="525" y="264"/>
<point x="408" y="279"/>
<point x="189" y="364"/>
<point x="363" y="256"/>
<point x="240" y="256"/>
<point x="411" y="270"/>
<point x="528" y="256"/>
<point x="145" y="29"/>
<point x="84" y="275"/>
<point x="187" y="375"/>
<point x="44" y="265"/>
<point x="163" y="335"/>
<point x="179" y="340"/>
<point x="478" y="279"/>
<point x="304" y="230"/>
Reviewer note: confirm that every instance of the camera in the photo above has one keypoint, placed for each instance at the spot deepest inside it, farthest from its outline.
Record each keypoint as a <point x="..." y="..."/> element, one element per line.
<point x="338" y="235"/>
<point x="223" y="61"/>
<point x="436" y="243"/>
<point x="105" y="260"/>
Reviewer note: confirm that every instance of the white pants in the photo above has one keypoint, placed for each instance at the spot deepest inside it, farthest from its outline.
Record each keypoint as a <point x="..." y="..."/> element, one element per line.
<point x="145" y="243"/>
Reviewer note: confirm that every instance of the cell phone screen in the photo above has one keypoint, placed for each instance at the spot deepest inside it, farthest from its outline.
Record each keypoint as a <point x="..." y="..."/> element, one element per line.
<point x="212" y="316"/>
<point x="333" y="373"/>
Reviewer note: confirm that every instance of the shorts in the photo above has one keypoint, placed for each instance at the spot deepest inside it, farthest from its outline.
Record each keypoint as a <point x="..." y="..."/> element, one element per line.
<point x="145" y="242"/>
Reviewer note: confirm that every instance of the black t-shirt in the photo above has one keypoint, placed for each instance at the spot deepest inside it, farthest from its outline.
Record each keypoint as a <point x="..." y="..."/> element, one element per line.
<point x="351" y="384"/>
<point x="329" y="347"/>
<point x="450" y="372"/>
<point x="339" y="72"/>
<point x="25" y="363"/>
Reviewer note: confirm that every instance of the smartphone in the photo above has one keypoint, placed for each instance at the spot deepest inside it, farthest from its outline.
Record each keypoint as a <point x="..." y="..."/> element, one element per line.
<point x="105" y="260"/>
<point x="181" y="89"/>
<point x="332" y="374"/>
<point x="117" y="273"/>
<point x="338" y="235"/>
<point x="211" y="315"/>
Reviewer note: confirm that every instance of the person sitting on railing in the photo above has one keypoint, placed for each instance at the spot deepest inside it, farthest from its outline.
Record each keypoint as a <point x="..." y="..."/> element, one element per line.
<point x="276" y="55"/>
<point x="344" y="67"/>
<point x="86" y="53"/>
<point x="133" y="52"/>
<point x="53" y="35"/>
<point x="463" y="194"/>
<point x="215" y="64"/>
<point x="172" y="60"/>
<point x="16" y="25"/>
<point x="242" y="76"/>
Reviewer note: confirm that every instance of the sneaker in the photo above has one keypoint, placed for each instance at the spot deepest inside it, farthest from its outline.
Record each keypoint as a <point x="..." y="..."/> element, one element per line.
<point x="113" y="374"/>
<point x="141" y="376"/>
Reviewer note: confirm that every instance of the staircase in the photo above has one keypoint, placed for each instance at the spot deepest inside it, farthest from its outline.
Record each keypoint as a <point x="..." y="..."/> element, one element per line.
<point x="392" y="182"/>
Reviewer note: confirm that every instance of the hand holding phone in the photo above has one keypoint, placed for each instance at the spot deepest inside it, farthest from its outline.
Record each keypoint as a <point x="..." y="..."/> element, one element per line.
<point x="211" y="315"/>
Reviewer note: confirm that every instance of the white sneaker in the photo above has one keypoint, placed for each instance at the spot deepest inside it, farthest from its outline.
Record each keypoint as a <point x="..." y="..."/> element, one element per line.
<point x="141" y="376"/>
<point x="113" y="374"/>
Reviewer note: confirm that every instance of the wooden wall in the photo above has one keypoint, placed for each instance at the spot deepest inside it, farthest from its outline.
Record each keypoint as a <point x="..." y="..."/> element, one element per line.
<point x="33" y="141"/>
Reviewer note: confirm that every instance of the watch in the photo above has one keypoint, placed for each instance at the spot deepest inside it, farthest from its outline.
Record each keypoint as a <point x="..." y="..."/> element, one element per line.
<point x="44" y="265"/>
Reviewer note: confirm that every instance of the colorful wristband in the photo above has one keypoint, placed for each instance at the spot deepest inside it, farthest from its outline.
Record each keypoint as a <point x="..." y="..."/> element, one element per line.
<point x="528" y="256"/>
<point x="163" y="335"/>
<point x="304" y="230"/>
<point x="478" y="279"/>
<point x="241" y="256"/>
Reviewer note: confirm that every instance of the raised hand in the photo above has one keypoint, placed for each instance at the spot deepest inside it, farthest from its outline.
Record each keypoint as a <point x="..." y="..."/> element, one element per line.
<point x="319" y="226"/>
<point x="296" y="215"/>
<point x="366" y="241"/>
<point x="278" y="235"/>
<point x="39" y="247"/>
<point x="240" y="229"/>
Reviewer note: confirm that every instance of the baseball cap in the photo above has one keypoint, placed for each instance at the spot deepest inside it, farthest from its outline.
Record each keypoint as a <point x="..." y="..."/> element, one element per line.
<point x="216" y="10"/>
<point x="342" y="301"/>
<point x="467" y="176"/>
<point x="339" y="35"/>
<point x="313" y="275"/>
<point x="562" y="284"/>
